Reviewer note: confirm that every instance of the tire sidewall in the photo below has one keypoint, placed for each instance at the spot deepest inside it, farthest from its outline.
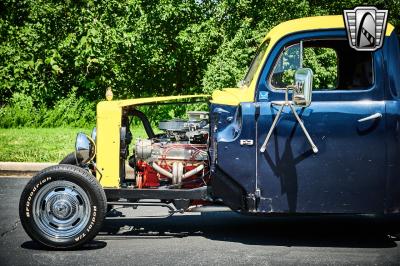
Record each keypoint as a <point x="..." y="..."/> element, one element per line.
<point x="97" y="207"/>
<point x="69" y="159"/>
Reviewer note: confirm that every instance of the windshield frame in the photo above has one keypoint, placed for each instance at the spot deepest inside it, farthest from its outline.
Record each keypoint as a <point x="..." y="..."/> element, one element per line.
<point x="255" y="63"/>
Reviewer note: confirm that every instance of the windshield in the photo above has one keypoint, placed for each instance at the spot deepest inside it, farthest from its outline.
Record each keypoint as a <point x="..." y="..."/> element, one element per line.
<point x="255" y="63"/>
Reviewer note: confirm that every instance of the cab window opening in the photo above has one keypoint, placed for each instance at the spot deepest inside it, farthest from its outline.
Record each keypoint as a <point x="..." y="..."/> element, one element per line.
<point x="336" y="66"/>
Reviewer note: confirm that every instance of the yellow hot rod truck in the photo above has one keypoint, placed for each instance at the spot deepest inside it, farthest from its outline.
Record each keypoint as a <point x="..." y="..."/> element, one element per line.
<point x="281" y="143"/>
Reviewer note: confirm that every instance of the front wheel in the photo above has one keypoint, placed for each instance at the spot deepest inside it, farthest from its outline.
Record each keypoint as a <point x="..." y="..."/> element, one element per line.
<point x="70" y="159"/>
<point x="62" y="207"/>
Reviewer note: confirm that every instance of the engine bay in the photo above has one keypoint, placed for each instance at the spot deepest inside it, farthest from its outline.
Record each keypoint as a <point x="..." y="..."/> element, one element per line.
<point x="177" y="157"/>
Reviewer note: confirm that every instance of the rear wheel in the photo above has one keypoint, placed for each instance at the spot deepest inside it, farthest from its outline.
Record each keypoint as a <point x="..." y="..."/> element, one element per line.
<point x="63" y="206"/>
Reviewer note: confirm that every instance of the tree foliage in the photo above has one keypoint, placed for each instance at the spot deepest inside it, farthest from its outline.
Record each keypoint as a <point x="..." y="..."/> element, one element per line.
<point x="140" y="48"/>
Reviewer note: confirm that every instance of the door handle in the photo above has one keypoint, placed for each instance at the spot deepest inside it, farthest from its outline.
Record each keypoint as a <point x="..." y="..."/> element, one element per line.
<point x="371" y="117"/>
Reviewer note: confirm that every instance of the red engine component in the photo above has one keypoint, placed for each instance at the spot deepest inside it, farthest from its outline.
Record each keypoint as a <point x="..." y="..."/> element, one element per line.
<point x="183" y="165"/>
<point x="146" y="176"/>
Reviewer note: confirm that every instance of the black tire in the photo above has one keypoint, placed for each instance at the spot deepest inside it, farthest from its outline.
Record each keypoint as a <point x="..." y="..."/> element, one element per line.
<point x="54" y="198"/>
<point x="69" y="159"/>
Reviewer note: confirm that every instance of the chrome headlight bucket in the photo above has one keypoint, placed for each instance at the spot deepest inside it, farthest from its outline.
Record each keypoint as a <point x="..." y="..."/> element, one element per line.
<point x="85" y="148"/>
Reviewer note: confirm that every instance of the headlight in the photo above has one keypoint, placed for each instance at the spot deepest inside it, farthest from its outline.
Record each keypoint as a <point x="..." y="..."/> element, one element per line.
<point x="93" y="135"/>
<point x="85" y="148"/>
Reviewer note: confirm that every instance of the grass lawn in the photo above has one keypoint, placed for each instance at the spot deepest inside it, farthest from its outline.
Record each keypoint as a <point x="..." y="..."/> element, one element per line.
<point x="41" y="144"/>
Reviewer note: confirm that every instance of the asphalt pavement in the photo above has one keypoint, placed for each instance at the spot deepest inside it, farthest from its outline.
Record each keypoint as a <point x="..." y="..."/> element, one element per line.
<point x="144" y="237"/>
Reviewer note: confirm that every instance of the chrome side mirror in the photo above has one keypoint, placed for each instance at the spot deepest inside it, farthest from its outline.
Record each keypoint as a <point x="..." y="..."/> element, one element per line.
<point x="301" y="97"/>
<point x="302" y="91"/>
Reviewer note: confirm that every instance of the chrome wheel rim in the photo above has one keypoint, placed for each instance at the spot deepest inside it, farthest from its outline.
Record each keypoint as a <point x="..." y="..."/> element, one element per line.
<point x="61" y="209"/>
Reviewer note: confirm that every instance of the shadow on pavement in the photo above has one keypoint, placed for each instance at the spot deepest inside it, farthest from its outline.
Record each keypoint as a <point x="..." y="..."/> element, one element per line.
<point x="311" y="231"/>
<point x="92" y="245"/>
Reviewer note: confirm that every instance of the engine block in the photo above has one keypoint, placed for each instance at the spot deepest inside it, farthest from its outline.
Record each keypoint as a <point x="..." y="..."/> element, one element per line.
<point x="176" y="158"/>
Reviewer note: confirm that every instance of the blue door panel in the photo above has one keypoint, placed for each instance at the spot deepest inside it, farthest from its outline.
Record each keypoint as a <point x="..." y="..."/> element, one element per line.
<point x="348" y="174"/>
<point x="345" y="176"/>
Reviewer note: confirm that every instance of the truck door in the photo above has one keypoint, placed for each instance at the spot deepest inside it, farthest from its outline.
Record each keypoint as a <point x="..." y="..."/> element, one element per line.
<point x="346" y="120"/>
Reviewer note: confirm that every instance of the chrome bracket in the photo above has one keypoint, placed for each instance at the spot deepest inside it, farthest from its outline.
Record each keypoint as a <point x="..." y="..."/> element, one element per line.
<point x="282" y="105"/>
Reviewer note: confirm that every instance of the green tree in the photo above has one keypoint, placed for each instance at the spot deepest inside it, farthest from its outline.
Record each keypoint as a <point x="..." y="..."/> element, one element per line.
<point x="141" y="48"/>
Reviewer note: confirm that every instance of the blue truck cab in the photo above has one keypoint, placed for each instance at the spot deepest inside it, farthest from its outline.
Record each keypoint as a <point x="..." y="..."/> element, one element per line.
<point x="353" y="119"/>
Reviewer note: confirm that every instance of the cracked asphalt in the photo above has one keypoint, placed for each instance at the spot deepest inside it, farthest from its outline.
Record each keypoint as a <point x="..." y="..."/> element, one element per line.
<point x="206" y="238"/>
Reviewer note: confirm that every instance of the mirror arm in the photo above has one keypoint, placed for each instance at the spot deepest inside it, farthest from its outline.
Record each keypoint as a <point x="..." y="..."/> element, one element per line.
<point x="286" y="102"/>
<point x="313" y="146"/>
<point x="264" y="146"/>
<point x="275" y="122"/>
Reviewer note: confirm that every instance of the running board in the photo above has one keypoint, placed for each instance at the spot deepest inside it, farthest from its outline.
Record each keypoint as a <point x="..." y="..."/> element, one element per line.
<point x="201" y="193"/>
